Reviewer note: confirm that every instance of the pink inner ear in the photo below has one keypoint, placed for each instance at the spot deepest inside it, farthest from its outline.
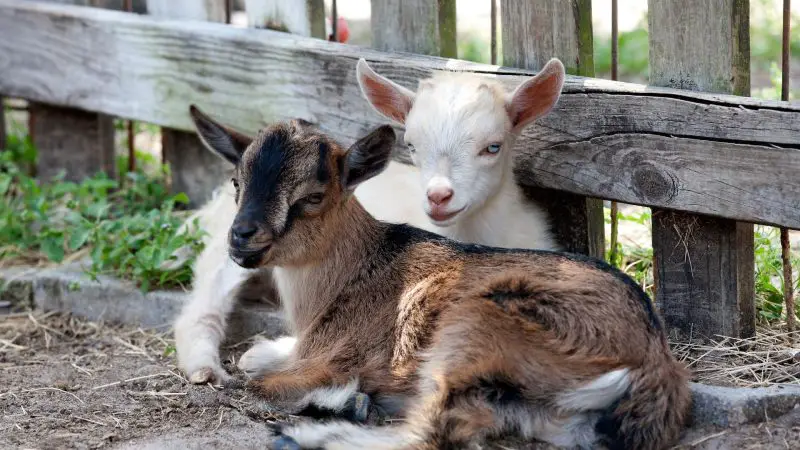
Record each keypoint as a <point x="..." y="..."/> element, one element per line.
<point x="534" y="100"/>
<point x="386" y="99"/>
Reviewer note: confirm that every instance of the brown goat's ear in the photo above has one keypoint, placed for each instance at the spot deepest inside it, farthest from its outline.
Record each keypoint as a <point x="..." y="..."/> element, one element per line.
<point x="537" y="96"/>
<point x="367" y="157"/>
<point x="222" y="140"/>
<point x="387" y="97"/>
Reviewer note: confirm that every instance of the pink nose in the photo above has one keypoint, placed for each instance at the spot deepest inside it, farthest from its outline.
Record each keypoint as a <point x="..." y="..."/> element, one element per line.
<point x="440" y="196"/>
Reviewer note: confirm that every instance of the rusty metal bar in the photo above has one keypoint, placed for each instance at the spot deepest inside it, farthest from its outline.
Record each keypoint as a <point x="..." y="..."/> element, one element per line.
<point x="614" y="238"/>
<point x="614" y="40"/>
<point x="786" y="249"/>
<point x="334" y="22"/>
<point x="493" y="51"/>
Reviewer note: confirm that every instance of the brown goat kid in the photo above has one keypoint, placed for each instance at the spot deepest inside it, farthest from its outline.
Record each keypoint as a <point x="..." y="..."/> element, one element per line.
<point x="464" y="341"/>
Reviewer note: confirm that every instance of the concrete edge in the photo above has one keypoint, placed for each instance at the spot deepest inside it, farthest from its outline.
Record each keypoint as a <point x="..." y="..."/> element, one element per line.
<point x="68" y="289"/>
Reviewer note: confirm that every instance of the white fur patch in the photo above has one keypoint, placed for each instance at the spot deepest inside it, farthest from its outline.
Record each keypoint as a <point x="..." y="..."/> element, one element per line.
<point x="331" y="397"/>
<point x="599" y="393"/>
<point x="267" y="356"/>
<point x="346" y="435"/>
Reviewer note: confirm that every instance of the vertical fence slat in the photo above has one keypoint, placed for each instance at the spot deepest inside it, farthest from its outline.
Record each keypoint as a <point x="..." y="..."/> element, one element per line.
<point x="194" y="169"/>
<point x="2" y="124"/>
<point x="533" y="31"/>
<point x="80" y="142"/>
<point x="316" y="14"/>
<point x="427" y="27"/>
<point x="705" y="281"/>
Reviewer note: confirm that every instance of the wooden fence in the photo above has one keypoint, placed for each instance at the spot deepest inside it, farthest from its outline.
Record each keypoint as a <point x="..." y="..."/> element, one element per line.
<point x="709" y="163"/>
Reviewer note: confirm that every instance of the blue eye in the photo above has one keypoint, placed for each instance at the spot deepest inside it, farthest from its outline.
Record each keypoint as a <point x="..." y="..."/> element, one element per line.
<point x="493" y="149"/>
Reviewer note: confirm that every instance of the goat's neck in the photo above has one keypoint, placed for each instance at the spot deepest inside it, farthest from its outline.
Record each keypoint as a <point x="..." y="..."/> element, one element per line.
<point x="306" y="289"/>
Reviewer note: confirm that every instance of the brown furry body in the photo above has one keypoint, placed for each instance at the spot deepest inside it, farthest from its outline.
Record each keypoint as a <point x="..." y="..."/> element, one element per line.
<point x="464" y="340"/>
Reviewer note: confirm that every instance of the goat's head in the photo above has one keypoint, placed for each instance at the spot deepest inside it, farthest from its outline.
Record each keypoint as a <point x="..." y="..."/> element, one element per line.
<point x="291" y="184"/>
<point x="460" y="130"/>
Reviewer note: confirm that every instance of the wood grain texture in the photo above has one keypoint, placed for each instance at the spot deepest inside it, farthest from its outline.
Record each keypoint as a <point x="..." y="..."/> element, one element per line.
<point x="73" y="140"/>
<point x="151" y="70"/>
<point x="194" y="170"/>
<point x="704" y="264"/>
<point x="534" y="32"/>
<point x="413" y="25"/>
<point x="2" y="124"/>
<point x="78" y="142"/>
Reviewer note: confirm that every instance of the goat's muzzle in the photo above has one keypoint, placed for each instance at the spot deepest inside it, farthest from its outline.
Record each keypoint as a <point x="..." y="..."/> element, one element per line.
<point x="248" y="244"/>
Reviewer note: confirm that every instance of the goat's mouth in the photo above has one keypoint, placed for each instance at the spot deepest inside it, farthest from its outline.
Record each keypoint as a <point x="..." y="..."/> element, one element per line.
<point x="249" y="259"/>
<point x="444" y="218"/>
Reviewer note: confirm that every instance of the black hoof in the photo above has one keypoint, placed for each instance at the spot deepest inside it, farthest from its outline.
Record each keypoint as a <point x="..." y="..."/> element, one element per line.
<point x="358" y="407"/>
<point x="285" y="443"/>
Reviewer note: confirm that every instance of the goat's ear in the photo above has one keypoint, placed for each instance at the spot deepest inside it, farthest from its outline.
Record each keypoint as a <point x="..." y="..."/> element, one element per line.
<point x="222" y="140"/>
<point x="367" y="157"/>
<point x="389" y="98"/>
<point x="537" y="96"/>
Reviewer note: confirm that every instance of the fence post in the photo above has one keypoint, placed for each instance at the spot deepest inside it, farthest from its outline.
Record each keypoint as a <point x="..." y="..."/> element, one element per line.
<point x="704" y="265"/>
<point x="533" y="31"/>
<point x="427" y="27"/>
<point x="194" y="169"/>
<point x="80" y="142"/>
<point x="2" y="124"/>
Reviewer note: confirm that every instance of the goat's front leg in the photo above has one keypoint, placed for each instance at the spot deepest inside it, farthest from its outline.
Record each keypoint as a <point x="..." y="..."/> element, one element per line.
<point x="313" y="387"/>
<point x="200" y="328"/>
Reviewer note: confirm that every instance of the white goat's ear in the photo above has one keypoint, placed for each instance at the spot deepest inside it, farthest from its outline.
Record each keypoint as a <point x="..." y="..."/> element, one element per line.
<point x="222" y="140"/>
<point x="389" y="98"/>
<point x="537" y="96"/>
<point x="367" y="157"/>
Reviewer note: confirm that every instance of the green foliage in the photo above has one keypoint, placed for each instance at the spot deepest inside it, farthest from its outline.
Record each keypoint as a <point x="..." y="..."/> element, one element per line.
<point x="634" y="62"/>
<point x="769" y="274"/>
<point x="128" y="230"/>
<point x="637" y="262"/>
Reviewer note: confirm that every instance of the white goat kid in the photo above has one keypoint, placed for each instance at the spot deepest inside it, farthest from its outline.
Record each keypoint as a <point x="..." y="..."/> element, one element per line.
<point x="460" y="131"/>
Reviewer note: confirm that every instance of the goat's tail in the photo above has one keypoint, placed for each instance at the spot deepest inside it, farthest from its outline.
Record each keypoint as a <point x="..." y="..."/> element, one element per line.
<point x="651" y="414"/>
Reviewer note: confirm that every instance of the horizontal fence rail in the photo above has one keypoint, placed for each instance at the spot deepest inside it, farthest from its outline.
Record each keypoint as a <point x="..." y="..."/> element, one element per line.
<point x="719" y="155"/>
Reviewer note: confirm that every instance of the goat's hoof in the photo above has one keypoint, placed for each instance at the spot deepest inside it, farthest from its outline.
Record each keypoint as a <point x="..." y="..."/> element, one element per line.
<point x="209" y="375"/>
<point x="361" y="404"/>
<point x="285" y="443"/>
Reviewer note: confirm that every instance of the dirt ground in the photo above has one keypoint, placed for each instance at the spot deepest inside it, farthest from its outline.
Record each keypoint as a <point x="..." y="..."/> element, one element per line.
<point x="73" y="384"/>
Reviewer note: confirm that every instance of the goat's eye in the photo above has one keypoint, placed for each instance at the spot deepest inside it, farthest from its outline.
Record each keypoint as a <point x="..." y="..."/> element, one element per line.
<point x="314" y="199"/>
<point x="492" y="149"/>
<point x="235" y="183"/>
<point x="411" y="149"/>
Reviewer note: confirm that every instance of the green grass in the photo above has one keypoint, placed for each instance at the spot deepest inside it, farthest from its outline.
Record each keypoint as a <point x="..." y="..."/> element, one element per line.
<point x="127" y="229"/>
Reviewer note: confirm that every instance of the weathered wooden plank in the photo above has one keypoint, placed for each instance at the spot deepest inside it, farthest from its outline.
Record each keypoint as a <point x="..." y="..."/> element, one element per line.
<point x="77" y="141"/>
<point x="704" y="265"/>
<point x="2" y="124"/>
<point x="147" y="69"/>
<point x="193" y="169"/>
<point x="533" y="32"/>
<point x="414" y="25"/>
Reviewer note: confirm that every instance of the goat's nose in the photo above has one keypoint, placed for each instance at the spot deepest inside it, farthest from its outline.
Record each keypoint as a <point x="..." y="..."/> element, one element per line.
<point x="440" y="195"/>
<point x="244" y="230"/>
